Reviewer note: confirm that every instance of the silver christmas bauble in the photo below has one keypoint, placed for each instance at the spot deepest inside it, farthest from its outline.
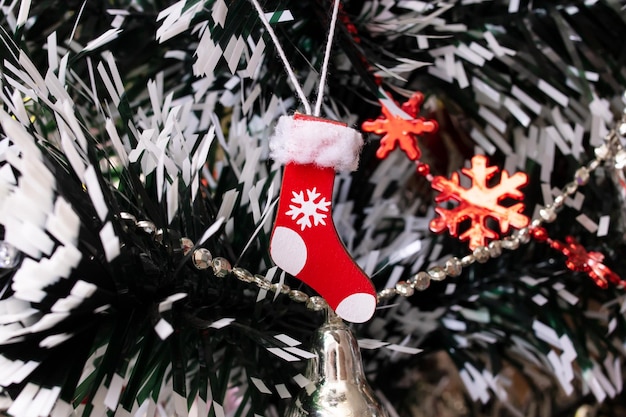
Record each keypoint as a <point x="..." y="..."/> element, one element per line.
<point x="340" y="388"/>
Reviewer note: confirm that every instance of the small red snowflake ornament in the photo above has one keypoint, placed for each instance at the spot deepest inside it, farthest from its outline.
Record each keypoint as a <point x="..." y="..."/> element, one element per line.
<point x="479" y="203"/>
<point x="578" y="259"/>
<point x="400" y="131"/>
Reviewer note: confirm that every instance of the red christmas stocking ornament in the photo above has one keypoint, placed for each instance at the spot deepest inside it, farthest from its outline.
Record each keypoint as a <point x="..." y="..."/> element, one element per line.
<point x="304" y="240"/>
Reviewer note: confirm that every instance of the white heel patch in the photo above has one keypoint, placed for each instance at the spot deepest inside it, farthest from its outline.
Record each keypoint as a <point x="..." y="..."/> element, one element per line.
<point x="288" y="250"/>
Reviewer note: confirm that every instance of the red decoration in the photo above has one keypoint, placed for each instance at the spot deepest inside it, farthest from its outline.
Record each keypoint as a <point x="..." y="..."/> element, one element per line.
<point x="540" y="234"/>
<point x="578" y="259"/>
<point x="400" y="131"/>
<point x="304" y="240"/>
<point x="479" y="202"/>
<point x="423" y="169"/>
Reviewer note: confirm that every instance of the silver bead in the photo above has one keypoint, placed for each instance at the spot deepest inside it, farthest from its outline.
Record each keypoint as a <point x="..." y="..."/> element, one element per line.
<point x="298" y="296"/>
<point x="404" y="289"/>
<point x="593" y="164"/>
<point x="481" y="254"/>
<point x="420" y="281"/>
<point x="243" y="274"/>
<point x="495" y="248"/>
<point x="262" y="283"/>
<point x="620" y="159"/>
<point x="558" y="202"/>
<point x="9" y="255"/>
<point x="523" y="235"/>
<point x="621" y="128"/>
<point x="582" y="176"/>
<point x="548" y="214"/>
<point x="467" y="260"/>
<point x="186" y="244"/>
<point x="276" y="288"/>
<point x="280" y="288"/>
<point x="603" y="152"/>
<point x="221" y="267"/>
<point x="437" y="273"/>
<point x="570" y="188"/>
<point x="453" y="267"/>
<point x="386" y="294"/>
<point x="316" y="303"/>
<point x="201" y="258"/>
<point x="536" y="223"/>
<point x="510" y="243"/>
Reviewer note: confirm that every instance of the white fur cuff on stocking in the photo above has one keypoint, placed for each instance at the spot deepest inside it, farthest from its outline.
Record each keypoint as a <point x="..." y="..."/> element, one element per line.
<point x="308" y="140"/>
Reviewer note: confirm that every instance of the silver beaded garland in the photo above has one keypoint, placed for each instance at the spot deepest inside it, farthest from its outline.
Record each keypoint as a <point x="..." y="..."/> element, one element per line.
<point x="202" y="258"/>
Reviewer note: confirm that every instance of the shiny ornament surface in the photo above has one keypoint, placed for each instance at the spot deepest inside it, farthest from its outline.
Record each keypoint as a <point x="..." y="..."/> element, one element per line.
<point x="340" y="387"/>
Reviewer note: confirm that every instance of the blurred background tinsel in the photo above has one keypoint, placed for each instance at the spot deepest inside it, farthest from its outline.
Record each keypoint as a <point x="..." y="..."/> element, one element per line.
<point x="129" y="124"/>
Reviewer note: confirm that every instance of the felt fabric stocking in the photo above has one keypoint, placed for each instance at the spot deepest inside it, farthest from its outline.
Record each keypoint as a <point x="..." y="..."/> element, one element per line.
<point x="304" y="240"/>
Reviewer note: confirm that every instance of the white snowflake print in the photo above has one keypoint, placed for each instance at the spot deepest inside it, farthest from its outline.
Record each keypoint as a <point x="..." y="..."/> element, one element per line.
<point x="308" y="208"/>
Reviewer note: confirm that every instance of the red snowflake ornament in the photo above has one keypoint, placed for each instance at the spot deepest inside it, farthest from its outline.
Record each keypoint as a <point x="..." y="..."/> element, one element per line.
<point x="578" y="259"/>
<point x="479" y="202"/>
<point x="399" y="131"/>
